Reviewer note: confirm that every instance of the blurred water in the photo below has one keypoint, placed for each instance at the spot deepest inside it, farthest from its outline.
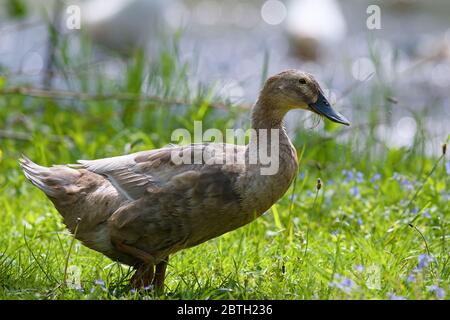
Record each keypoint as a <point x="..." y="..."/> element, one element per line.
<point x="230" y="39"/>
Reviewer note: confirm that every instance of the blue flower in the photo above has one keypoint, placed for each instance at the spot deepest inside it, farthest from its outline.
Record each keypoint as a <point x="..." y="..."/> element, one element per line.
<point x="359" y="268"/>
<point x="423" y="261"/>
<point x="293" y="197"/>
<point x="354" y="191"/>
<point x="403" y="181"/>
<point x="447" y="167"/>
<point x="100" y="282"/>
<point x="426" y="213"/>
<point x="415" y="211"/>
<point x="439" y="292"/>
<point x="411" y="278"/>
<point x="396" y="176"/>
<point x="395" y="297"/>
<point x="359" y="177"/>
<point x="301" y="175"/>
<point x="360" y="222"/>
<point x="343" y="284"/>
<point x="347" y="282"/>
<point x="348" y="175"/>
<point x="407" y="184"/>
<point x="445" y="195"/>
<point x="375" y="177"/>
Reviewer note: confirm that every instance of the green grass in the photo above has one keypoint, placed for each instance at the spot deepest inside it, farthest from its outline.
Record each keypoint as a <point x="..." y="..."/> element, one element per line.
<point x="349" y="240"/>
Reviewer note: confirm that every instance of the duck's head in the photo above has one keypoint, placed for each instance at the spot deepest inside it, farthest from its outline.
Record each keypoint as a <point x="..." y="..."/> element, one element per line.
<point x="293" y="89"/>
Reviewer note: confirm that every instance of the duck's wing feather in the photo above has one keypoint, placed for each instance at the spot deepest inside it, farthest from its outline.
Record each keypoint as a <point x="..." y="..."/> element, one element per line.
<point x="136" y="174"/>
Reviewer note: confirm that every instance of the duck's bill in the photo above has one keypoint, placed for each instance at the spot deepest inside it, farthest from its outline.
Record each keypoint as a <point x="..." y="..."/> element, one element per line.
<point x="322" y="107"/>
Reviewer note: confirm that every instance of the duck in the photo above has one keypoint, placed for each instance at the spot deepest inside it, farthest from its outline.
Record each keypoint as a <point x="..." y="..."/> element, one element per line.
<point x="313" y="25"/>
<point x="138" y="209"/>
<point x="125" y="25"/>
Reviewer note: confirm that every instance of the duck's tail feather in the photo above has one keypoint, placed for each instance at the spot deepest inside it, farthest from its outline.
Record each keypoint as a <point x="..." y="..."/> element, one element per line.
<point x="52" y="181"/>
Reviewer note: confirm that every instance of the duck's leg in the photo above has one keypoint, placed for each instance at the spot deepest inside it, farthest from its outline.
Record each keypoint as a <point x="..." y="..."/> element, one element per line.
<point x="143" y="276"/>
<point x="145" y="271"/>
<point x="160" y="274"/>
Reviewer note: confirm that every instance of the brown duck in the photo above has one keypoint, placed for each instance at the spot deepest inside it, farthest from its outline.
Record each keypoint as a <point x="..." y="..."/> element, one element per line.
<point x="140" y="208"/>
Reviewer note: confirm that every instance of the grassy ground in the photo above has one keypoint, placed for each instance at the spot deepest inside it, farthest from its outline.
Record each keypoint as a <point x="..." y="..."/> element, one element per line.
<point x="377" y="229"/>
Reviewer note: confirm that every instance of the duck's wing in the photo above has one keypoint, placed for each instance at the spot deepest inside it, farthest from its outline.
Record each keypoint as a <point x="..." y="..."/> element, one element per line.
<point x="130" y="174"/>
<point x="171" y="205"/>
<point x="136" y="174"/>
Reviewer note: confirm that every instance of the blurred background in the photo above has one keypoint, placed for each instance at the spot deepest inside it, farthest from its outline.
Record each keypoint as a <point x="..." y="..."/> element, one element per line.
<point x="392" y="82"/>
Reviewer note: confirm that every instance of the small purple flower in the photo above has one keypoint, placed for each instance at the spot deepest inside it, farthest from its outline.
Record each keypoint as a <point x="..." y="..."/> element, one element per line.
<point x="447" y="167"/>
<point x="149" y="287"/>
<point x="133" y="291"/>
<point x="359" y="177"/>
<point x="375" y="177"/>
<point x="411" y="278"/>
<point x="445" y="195"/>
<point x="100" y="282"/>
<point x="387" y="215"/>
<point x="301" y="175"/>
<point x="343" y="284"/>
<point x="360" y="222"/>
<point x="347" y="282"/>
<point x="403" y="181"/>
<point x="415" y="211"/>
<point x="395" y="297"/>
<point x="359" y="268"/>
<point x="439" y="292"/>
<point x="354" y="191"/>
<point x="334" y="233"/>
<point x="426" y="213"/>
<point x="348" y="175"/>
<point x="407" y="184"/>
<point x="423" y="261"/>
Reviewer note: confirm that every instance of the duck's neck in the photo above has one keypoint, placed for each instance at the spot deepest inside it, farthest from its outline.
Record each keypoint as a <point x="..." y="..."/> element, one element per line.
<point x="266" y="185"/>
<point x="268" y="121"/>
<point x="265" y="116"/>
<point x="269" y="135"/>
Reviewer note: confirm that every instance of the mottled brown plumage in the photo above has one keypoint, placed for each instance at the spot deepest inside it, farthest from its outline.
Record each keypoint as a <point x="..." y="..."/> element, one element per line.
<point x="140" y="208"/>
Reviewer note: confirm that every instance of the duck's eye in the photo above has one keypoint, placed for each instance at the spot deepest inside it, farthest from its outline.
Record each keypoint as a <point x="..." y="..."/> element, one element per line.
<point x="302" y="81"/>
